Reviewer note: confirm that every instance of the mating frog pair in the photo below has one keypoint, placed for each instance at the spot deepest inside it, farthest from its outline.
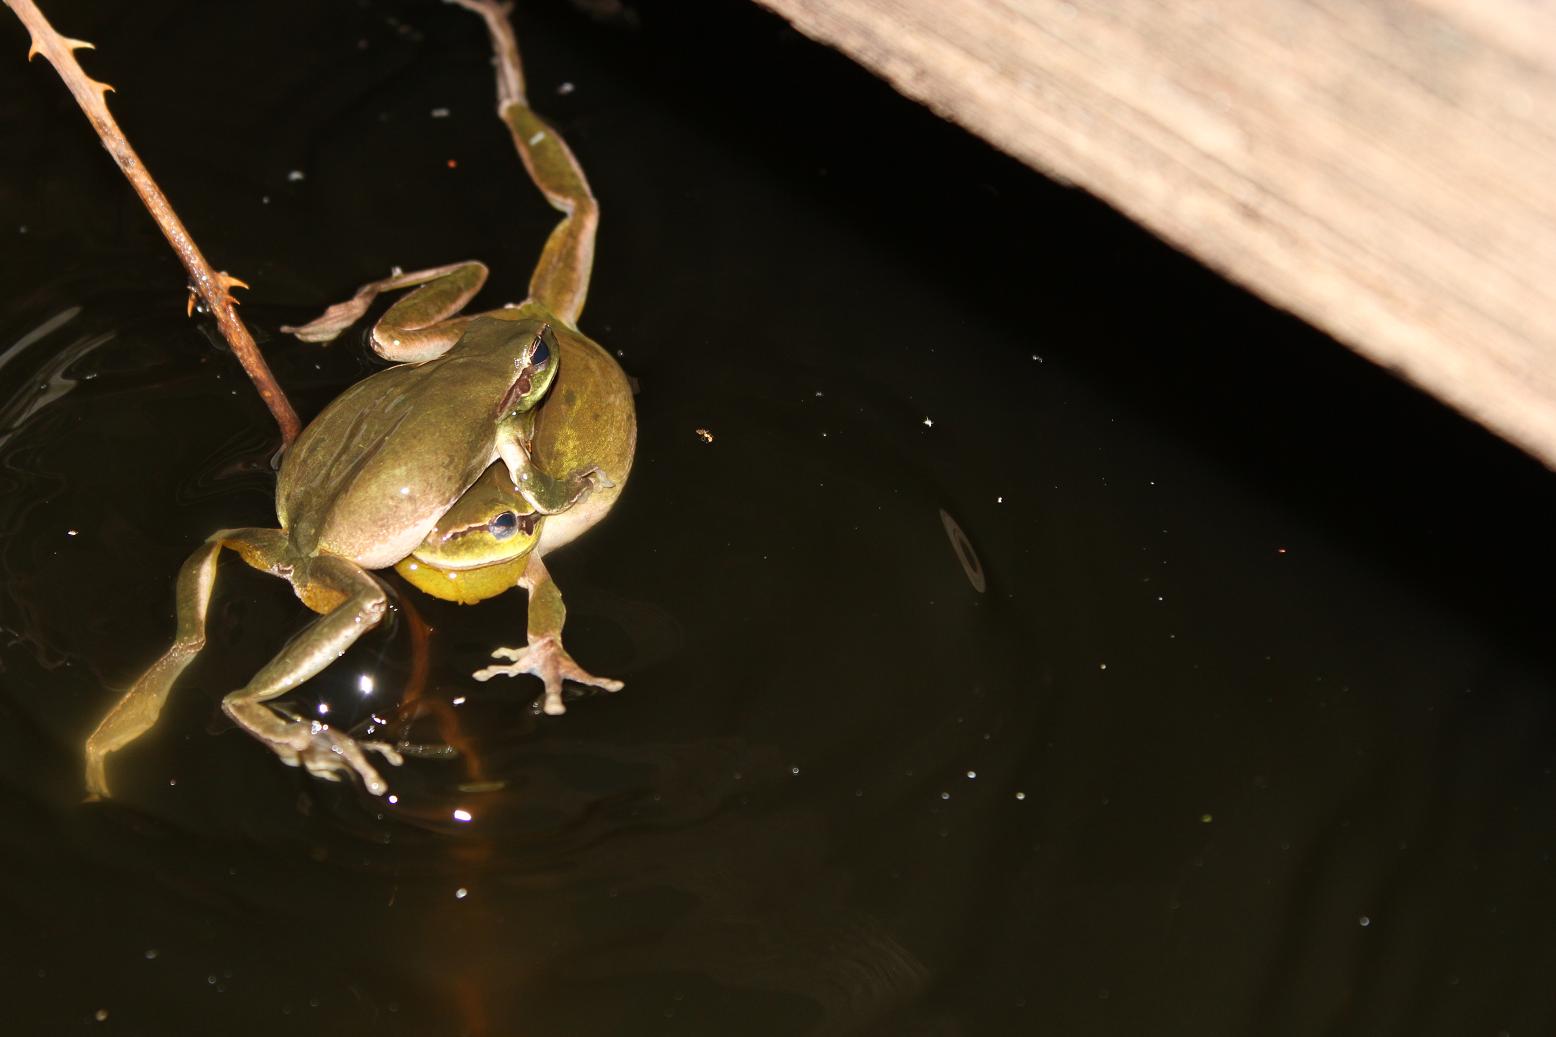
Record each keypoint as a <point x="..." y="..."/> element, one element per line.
<point x="498" y="439"/>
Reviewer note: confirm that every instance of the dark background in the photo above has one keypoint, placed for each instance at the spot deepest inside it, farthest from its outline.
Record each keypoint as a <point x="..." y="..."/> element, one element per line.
<point x="1250" y="732"/>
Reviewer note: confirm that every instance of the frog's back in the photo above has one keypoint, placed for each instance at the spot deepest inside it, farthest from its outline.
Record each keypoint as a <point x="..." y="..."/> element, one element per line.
<point x="376" y="469"/>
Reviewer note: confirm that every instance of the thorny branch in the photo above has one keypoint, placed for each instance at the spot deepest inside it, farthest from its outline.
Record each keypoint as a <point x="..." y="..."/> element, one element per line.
<point x="211" y="285"/>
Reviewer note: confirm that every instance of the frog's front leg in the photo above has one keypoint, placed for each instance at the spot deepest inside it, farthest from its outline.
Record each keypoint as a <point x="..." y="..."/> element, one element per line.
<point x="544" y="655"/>
<point x="420" y="326"/>
<point x="546" y="493"/>
<point x="135" y="713"/>
<point x="352" y="603"/>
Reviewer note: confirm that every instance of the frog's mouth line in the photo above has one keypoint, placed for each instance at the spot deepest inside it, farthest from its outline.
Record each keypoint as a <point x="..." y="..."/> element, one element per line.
<point x="526" y="525"/>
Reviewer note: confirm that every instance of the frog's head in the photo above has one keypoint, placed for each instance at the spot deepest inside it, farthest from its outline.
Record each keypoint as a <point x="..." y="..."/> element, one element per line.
<point x="535" y="369"/>
<point x="479" y="547"/>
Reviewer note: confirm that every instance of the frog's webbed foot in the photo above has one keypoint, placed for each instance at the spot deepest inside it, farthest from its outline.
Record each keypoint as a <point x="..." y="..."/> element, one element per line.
<point x="547" y="659"/>
<point x="327" y="753"/>
<point x="337" y="318"/>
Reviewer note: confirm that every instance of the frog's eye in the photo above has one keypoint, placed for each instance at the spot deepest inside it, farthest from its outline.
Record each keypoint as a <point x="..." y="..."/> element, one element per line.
<point x="503" y="526"/>
<point x="541" y="355"/>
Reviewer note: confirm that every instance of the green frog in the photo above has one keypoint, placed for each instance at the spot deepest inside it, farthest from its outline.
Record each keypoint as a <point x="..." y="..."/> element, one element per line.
<point x="498" y="438"/>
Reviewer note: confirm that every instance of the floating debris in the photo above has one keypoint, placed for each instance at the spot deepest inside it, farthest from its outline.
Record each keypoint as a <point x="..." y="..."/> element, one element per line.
<point x="964" y="552"/>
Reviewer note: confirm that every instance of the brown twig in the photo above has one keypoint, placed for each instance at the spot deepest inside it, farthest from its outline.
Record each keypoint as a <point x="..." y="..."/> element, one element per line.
<point x="211" y="285"/>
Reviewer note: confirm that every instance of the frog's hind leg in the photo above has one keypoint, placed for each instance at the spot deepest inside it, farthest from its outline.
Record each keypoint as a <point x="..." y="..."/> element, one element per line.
<point x="351" y="603"/>
<point x="135" y="713"/>
<point x="421" y="326"/>
<point x="561" y="279"/>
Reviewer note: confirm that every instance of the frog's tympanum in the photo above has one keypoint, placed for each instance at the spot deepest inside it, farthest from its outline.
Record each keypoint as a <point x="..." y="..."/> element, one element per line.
<point x="497" y="439"/>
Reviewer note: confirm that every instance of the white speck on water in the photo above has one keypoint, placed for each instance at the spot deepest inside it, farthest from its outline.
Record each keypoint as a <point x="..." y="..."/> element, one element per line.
<point x="1103" y="666"/>
<point x="440" y="113"/>
<point x="295" y="175"/>
<point x="264" y="199"/>
<point x="324" y="709"/>
<point x="945" y="795"/>
<point x="365" y="684"/>
<point x="929" y="422"/>
<point x="393" y="800"/>
<point x="461" y="893"/>
<point x="22" y="229"/>
<point x="537" y="138"/>
<point x="971" y="775"/>
<point x="70" y="532"/>
<point x="459" y="701"/>
<point x="461" y="814"/>
<point x="1021" y="795"/>
<point x="102" y="1015"/>
<point x="565" y="88"/>
<point x="151" y="953"/>
<point x="794" y="771"/>
<point x="1364" y="921"/>
<point x="1205" y="819"/>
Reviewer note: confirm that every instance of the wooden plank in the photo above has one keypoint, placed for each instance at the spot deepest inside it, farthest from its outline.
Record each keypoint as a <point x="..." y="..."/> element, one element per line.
<point x="1386" y="169"/>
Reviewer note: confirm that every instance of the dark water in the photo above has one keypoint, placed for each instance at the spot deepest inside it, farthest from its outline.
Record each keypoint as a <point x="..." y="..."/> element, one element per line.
<point x="1251" y="730"/>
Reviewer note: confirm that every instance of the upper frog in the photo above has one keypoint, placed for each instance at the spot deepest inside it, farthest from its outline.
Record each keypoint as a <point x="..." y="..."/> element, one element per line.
<point x="373" y="473"/>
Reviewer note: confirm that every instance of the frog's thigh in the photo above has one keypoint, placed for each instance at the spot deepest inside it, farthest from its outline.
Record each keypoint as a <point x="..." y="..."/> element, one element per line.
<point x="420" y="326"/>
<point x="315" y="647"/>
<point x="135" y="713"/>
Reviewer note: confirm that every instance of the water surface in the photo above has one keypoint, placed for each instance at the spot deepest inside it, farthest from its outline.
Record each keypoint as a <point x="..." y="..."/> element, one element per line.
<point x="1227" y="711"/>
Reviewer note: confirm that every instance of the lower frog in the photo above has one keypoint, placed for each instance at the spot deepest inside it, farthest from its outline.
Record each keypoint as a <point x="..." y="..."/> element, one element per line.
<point x="499" y="437"/>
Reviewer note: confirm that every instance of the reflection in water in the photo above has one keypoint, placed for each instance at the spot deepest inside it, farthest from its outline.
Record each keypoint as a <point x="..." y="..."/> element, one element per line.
<point x="965" y="555"/>
<point x="42" y="372"/>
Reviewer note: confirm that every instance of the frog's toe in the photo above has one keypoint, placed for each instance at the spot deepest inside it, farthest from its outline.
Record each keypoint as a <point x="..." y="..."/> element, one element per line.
<point x="547" y="659"/>
<point x="385" y="750"/>
<point x="328" y="754"/>
<point x="327" y="326"/>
